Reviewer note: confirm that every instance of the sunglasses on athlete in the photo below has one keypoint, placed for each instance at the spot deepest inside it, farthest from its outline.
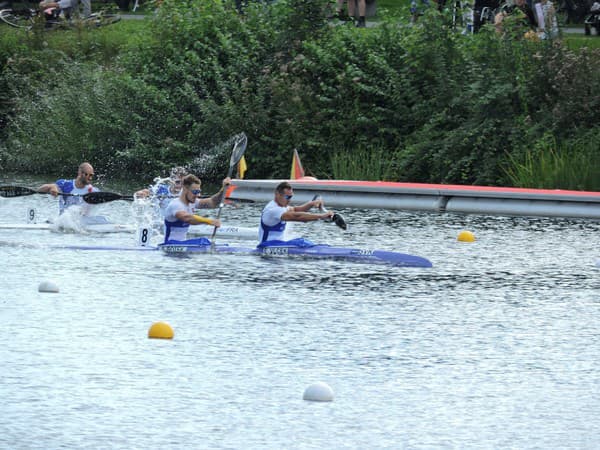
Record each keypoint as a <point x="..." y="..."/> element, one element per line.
<point x="196" y="191"/>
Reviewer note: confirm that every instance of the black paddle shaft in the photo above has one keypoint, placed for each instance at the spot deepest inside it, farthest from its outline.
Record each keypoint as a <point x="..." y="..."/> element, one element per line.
<point x="92" y="198"/>
<point x="21" y="191"/>
<point x="95" y="198"/>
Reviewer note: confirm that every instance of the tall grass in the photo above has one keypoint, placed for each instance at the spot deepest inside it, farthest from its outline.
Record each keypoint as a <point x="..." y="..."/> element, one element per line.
<point x="370" y="164"/>
<point x="573" y="166"/>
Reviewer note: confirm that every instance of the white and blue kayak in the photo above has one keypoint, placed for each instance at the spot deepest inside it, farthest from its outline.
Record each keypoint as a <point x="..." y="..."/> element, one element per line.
<point x="313" y="251"/>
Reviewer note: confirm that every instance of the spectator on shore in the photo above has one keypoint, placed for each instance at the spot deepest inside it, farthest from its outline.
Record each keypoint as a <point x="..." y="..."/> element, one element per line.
<point x="68" y="7"/>
<point x="362" y="11"/>
<point x="478" y="8"/>
<point x="520" y="14"/>
<point x="415" y="12"/>
<point x="546" y="19"/>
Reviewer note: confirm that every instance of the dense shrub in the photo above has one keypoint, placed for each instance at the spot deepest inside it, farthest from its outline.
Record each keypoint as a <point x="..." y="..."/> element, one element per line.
<point x="439" y="106"/>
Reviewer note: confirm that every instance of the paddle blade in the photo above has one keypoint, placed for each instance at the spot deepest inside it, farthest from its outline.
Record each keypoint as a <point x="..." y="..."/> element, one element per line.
<point x="239" y="149"/>
<point x="339" y="221"/>
<point x="95" y="198"/>
<point x="15" y="191"/>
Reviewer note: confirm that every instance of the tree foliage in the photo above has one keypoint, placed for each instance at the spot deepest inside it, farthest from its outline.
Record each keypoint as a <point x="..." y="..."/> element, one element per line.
<point x="438" y="106"/>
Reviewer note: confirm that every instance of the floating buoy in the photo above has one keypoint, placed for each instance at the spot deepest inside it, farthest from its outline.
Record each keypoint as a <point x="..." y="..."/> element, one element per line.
<point x="466" y="236"/>
<point x="160" y="330"/>
<point x="48" y="286"/>
<point x="318" y="392"/>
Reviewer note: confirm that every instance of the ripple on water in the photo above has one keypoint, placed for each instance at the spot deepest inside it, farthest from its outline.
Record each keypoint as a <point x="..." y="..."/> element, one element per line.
<point x="495" y="346"/>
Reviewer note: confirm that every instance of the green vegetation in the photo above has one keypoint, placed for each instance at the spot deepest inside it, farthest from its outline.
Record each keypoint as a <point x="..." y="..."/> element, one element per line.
<point x="579" y="42"/>
<point x="415" y="103"/>
<point x="575" y="166"/>
<point x="370" y="164"/>
<point x="391" y="7"/>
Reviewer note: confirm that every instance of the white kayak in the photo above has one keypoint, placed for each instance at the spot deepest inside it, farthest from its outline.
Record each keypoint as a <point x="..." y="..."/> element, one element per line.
<point x="228" y="231"/>
<point x="91" y="228"/>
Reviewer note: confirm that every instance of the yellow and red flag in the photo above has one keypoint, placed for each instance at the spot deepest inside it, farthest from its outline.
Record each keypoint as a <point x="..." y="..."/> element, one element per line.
<point x="297" y="170"/>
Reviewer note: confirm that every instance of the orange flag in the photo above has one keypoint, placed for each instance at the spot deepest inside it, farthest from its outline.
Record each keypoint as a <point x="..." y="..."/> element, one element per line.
<point x="297" y="170"/>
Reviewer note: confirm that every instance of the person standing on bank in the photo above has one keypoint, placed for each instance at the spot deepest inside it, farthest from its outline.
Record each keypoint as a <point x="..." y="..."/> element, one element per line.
<point x="179" y="215"/>
<point x="277" y="212"/>
<point x="78" y="187"/>
<point x="362" y="11"/>
<point x="68" y="7"/>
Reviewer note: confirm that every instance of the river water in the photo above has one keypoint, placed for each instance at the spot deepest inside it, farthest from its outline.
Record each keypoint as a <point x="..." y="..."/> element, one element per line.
<point x="496" y="346"/>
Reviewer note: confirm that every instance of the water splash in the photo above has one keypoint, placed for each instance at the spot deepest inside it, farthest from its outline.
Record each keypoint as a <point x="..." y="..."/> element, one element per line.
<point x="210" y="162"/>
<point x="71" y="220"/>
<point x="148" y="212"/>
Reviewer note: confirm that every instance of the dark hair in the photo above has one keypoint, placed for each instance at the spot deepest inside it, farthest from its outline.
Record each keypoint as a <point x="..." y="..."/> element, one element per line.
<point x="188" y="180"/>
<point x="282" y="187"/>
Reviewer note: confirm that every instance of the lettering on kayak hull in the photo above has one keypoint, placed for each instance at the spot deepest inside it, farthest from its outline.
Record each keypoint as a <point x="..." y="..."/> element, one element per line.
<point x="175" y="248"/>
<point x="275" y="251"/>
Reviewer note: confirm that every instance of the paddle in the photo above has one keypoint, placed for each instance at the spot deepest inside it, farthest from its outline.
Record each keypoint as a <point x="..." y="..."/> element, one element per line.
<point x="17" y="191"/>
<point x="238" y="151"/>
<point x="95" y="198"/>
<point x="337" y="218"/>
<point x="21" y="191"/>
<point x="92" y="198"/>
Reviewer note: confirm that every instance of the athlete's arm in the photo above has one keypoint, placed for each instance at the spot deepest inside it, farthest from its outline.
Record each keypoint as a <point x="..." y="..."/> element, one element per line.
<point x="50" y="188"/>
<point x="194" y="219"/>
<point x="308" y="205"/>
<point x="292" y="215"/>
<point x="213" y="200"/>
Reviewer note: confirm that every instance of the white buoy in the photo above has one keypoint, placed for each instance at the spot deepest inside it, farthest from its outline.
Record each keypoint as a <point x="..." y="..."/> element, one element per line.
<point x="318" y="392"/>
<point x="48" y="286"/>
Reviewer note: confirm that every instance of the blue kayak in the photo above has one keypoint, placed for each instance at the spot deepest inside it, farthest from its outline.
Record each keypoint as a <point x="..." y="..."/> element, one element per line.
<point x="315" y="251"/>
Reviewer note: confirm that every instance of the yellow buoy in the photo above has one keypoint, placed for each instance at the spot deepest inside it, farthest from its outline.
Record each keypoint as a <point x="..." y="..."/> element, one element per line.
<point x="160" y="330"/>
<point x="466" y="236"/>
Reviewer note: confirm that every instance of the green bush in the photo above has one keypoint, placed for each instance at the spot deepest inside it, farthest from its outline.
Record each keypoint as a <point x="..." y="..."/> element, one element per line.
<point x="415" y="102"/>
<point x="574" y="164"/>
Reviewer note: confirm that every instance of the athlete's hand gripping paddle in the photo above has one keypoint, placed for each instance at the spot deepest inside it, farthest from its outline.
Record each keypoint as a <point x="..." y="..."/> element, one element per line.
<point x="336" y="218"/>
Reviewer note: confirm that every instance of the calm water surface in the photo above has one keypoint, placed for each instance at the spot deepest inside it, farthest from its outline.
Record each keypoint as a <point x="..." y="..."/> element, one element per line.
<point x="496" y="346"/>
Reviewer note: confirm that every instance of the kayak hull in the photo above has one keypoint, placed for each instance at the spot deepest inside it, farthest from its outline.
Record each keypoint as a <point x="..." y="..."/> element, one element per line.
<point x="314" y="252"/>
